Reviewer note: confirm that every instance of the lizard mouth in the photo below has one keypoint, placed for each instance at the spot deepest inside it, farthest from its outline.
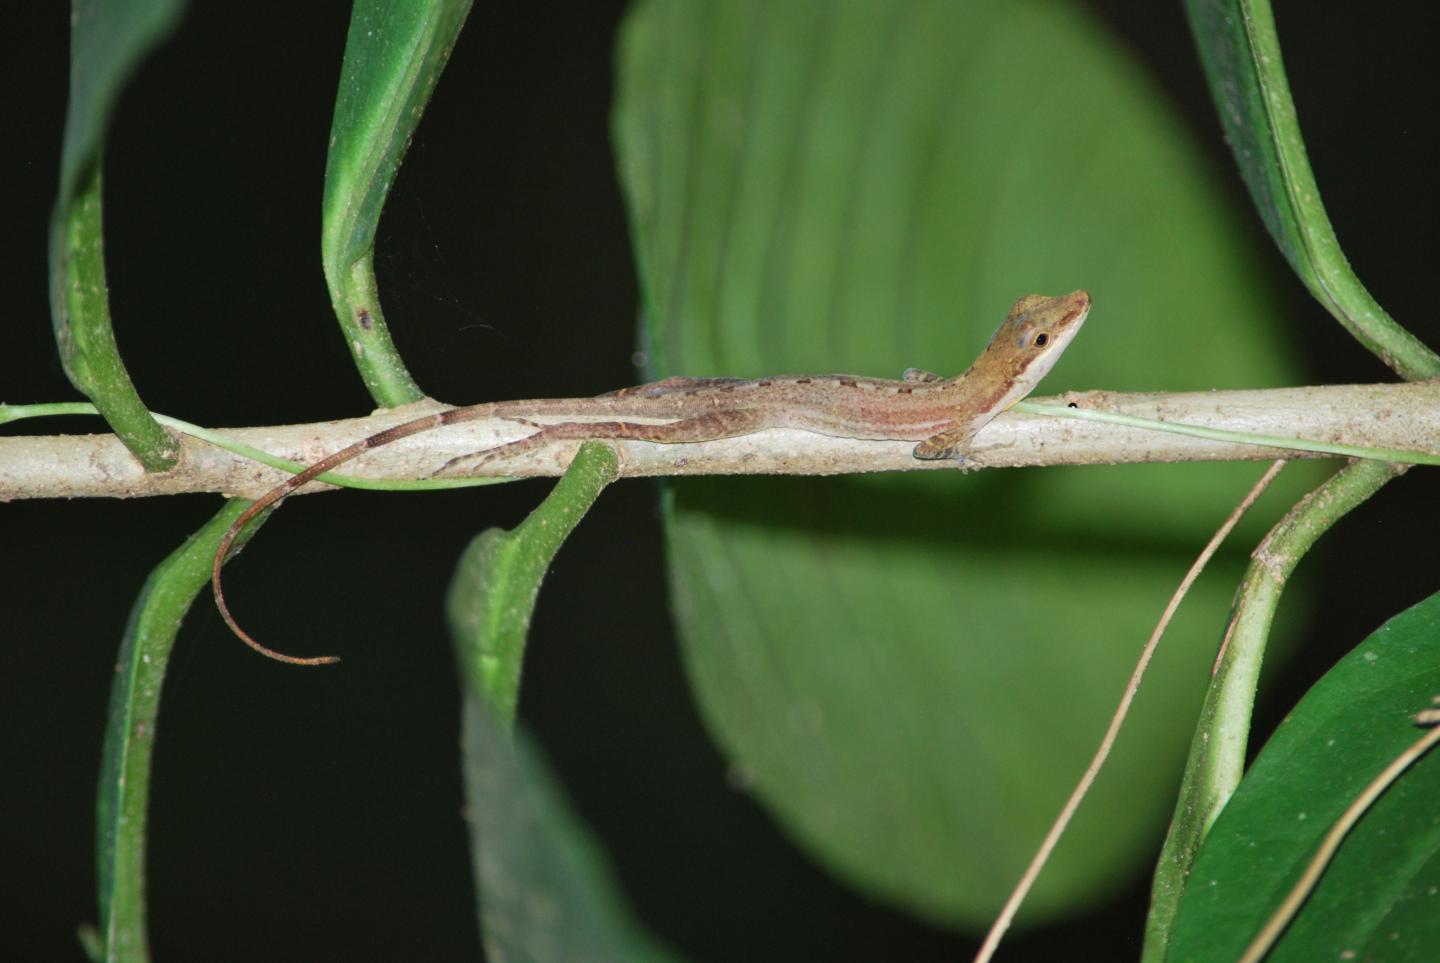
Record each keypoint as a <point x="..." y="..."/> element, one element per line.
<point x="1081" y="302"/>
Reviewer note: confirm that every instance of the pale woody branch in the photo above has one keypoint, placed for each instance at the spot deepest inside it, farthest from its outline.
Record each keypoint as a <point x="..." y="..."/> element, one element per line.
<point x="1398" y="416"/>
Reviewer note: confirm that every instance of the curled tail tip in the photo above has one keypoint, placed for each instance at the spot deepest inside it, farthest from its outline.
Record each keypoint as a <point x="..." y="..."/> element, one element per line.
<point x="314" y="660"/>
<point x="270" y="653"/>
<point x="265" y="650"/>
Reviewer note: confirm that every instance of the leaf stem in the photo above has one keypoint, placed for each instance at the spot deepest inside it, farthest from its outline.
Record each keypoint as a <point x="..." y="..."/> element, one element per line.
<point x="497" y="581"/>
<point x="84" y="335"/>
<point x="1052" y="838"/>
<point x="1217" y="753"/>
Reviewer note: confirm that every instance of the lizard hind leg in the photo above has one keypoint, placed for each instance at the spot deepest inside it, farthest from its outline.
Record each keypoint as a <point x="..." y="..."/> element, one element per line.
<point x="475" y="460"/>
<point x="950" y="444"/>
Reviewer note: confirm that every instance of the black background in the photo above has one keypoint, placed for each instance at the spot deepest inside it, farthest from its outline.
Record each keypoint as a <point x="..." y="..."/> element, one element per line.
<point x="316" y="815"/>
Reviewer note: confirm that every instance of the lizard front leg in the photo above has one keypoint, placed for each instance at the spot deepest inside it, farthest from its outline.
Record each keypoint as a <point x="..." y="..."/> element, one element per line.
<point x="707" y="427"/>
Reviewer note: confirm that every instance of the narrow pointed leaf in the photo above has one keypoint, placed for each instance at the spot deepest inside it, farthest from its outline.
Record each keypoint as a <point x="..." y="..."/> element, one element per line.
<point x="545" y="892"/>
<point x="1240" y="49"/>
<point x="393" y="58"/>
<point x="122" y="807"/>
<point x="108" y="41"/>
<point x="497" y="581"/>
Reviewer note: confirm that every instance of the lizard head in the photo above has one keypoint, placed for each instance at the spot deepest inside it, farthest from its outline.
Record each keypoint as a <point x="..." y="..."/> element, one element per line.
<point x="1035" y="334"/>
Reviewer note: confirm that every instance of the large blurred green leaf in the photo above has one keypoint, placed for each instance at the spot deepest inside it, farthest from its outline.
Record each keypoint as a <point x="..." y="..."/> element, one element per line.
<point x="1376" y="900"/>
<point x="910" y="670"/>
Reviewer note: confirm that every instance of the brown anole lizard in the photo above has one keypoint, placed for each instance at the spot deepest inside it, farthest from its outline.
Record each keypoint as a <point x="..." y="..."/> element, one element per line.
<point x="942" y="414"/>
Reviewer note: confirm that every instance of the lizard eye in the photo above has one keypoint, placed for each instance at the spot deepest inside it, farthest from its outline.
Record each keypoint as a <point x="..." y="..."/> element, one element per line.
<point x="1042" y="339"/>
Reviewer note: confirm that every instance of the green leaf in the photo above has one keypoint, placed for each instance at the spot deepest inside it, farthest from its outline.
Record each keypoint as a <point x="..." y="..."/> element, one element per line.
<point x="1241" y="53"/>
<point x="492" y="594"/>
<point x="544" y="889"/>
<point x="910" y="671"/>
<point x="108" y="40"/>
<point x="122" y="806"/>
<point x="393" y="58"/>
<point x="1377" y="899"/>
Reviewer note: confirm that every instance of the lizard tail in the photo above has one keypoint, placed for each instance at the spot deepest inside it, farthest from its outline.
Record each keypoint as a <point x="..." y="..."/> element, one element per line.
<point x="289" y="485"/>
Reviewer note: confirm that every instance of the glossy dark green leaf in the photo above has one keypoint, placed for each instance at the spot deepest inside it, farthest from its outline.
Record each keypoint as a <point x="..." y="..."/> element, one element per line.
<point x="909" y="671"/>
<point x="393" y="58"/>
<point x="1378" y="899"/>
